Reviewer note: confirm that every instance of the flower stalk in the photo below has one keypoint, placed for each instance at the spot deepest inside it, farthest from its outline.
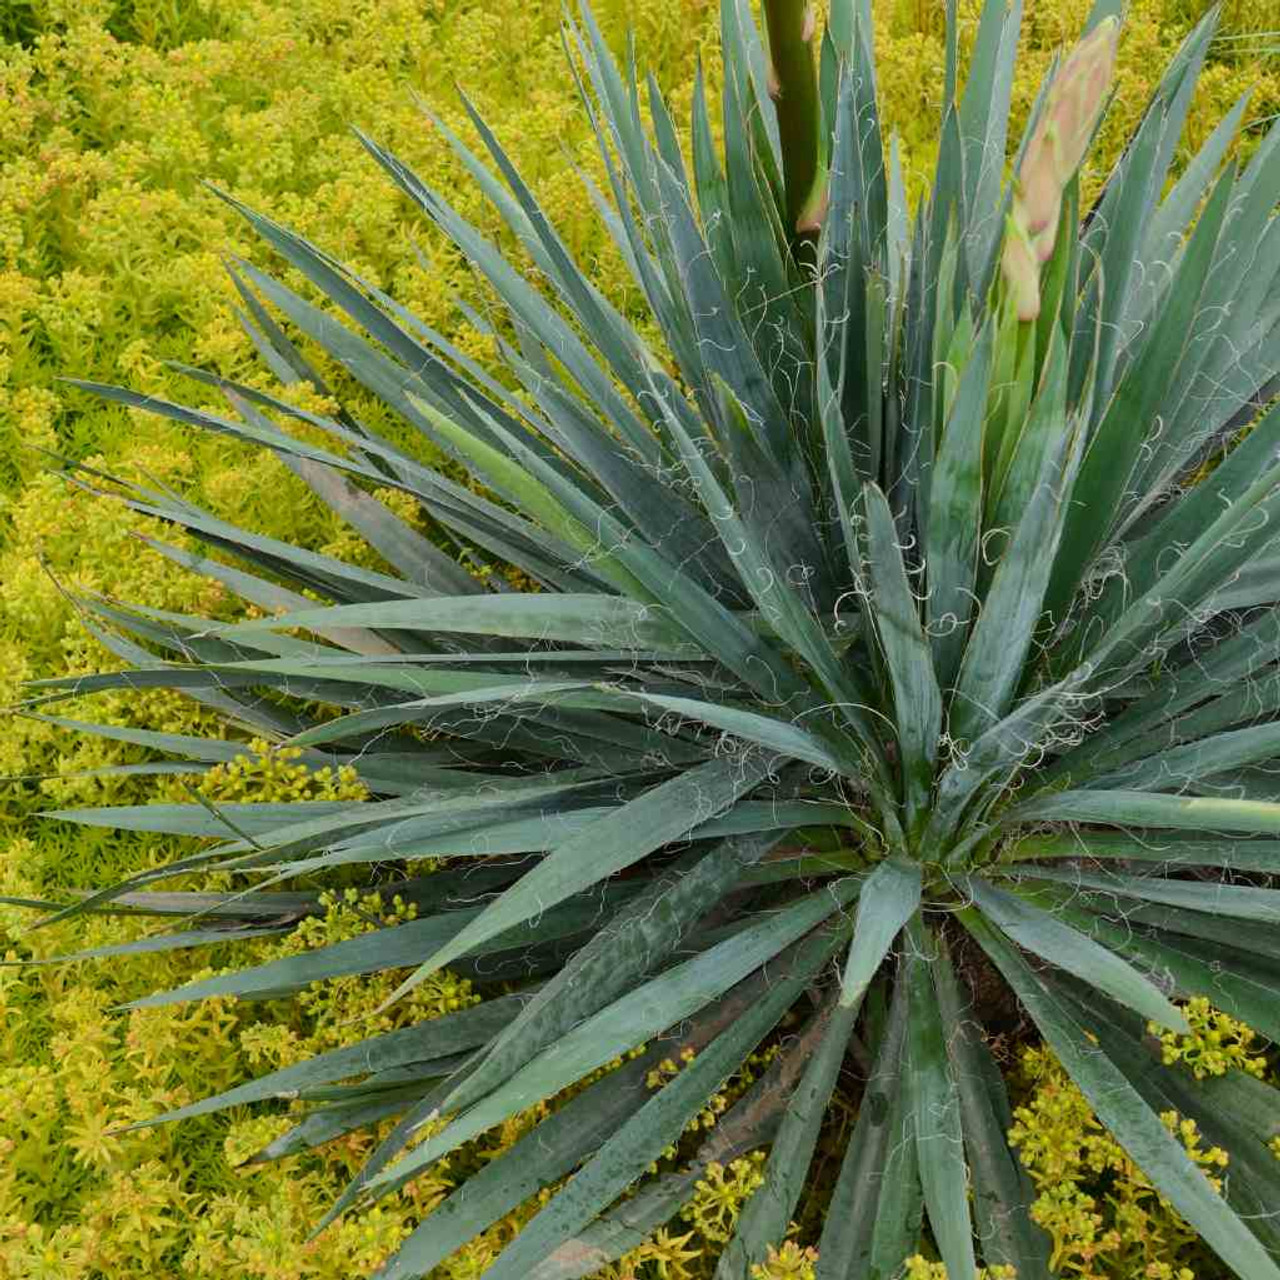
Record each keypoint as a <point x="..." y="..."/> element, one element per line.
<point x="791" y="26"/>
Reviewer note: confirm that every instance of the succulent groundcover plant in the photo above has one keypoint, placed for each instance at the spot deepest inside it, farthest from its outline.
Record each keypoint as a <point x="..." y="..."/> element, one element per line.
<point x="897" y="658"/>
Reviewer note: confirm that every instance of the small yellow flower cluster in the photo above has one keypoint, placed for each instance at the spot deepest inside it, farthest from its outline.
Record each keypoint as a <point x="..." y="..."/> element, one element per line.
<point x="1217" y="1043"/>
<point x="340" y="1011"/>
<point x="920" y="1268"/>
<point x="668" y="1069"/>
<point x="1100" y="1210"/>
<point x="711" y="1215"/>
<point x="268" y="773"/>
<point x="666" y="1255"/>
<point x="791" y="1262"/>
<point x="248" y="1137"/>
<point x="612" y="1065"/>
<point x="720" y="1194"/>
<point x="719" y="1102"/>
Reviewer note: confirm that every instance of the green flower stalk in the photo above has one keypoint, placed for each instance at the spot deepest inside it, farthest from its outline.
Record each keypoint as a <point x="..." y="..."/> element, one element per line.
<point x="791" y="27"/>
<point x="1052" y="158"/>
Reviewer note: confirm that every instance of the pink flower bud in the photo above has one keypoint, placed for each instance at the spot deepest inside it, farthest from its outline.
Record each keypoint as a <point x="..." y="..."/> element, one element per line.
<point x="1052" y="157"/>
<point x="1021" y="269"/>
<point x="1064" y="131"/>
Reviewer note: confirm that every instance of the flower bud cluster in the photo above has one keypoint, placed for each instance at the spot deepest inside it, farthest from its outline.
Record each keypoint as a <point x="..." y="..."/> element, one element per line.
<point x="1054" y="153"/>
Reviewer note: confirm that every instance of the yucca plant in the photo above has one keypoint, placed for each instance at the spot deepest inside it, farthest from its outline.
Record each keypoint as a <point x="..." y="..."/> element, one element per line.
<point x="904" y="630"/>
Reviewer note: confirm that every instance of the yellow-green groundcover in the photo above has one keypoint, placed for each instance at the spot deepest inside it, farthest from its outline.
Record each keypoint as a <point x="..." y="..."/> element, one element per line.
<point x="112" y="112"/>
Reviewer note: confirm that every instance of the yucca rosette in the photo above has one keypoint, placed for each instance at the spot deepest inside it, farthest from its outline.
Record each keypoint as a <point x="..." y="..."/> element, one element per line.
<point x="897" y="678"/>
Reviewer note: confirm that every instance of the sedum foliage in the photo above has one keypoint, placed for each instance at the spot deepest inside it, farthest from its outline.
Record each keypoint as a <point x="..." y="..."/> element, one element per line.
<point x="1130" y="1231"/>
<point x="160" y="1198"/>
